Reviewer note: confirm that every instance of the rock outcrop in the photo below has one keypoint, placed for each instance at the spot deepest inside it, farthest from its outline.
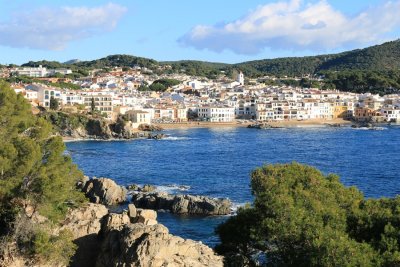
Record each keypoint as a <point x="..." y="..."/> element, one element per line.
<point x="149" y="127"/>
<point x="152" y="245"/>
<point x="132" y="238"/>
<point x="104" y="191"/>
<point x="85" y="220"/>
<point x="183" y="204"/>
<point x="85" y="223"/>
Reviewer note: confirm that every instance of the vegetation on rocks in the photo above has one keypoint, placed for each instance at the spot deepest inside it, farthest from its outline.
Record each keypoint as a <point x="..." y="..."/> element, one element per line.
<point x="301" y="217"/>
<point x="37" y="183"/>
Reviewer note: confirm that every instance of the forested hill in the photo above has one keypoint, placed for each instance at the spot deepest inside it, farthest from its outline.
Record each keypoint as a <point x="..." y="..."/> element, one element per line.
<point x="382" y="57"/>
<point x="106" y="62"/>
<point x="375" y="58"/>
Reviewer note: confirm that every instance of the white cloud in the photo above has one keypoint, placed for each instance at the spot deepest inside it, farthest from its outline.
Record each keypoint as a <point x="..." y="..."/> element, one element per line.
<point x="53" y="28"/>
<point x="296" y="25"/>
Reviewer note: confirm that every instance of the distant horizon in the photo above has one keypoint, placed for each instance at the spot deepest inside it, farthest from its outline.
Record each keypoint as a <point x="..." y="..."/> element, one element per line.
<point x="222" y="31"/>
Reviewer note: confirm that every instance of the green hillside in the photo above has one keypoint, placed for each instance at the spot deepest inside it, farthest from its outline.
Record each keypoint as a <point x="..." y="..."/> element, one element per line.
<point x="372" y="69"/>
<point x="375" y="58"/>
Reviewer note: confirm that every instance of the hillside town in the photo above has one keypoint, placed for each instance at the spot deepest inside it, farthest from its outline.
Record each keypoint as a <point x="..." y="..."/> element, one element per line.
<point x="223" y="100"/>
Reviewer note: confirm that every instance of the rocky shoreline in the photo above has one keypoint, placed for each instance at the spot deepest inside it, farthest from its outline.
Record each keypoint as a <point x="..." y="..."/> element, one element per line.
<point x="132" y="237"/>
<point x="106" y="191"/>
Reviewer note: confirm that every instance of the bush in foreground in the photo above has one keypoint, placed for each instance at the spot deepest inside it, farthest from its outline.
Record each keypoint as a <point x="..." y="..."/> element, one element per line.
<point x="301" y="217"/>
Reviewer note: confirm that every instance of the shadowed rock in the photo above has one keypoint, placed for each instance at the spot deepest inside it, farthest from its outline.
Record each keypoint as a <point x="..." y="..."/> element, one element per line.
<point x="104" y="191"/>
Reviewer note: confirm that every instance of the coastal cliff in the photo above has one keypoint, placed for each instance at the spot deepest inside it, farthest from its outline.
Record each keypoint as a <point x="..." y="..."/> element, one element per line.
<point x="85" y="126"/>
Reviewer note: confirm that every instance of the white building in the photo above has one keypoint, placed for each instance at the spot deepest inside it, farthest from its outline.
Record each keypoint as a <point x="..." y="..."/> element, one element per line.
<point x="32" y="72"/>
<point x="139" y="117"/>
<point x="44" y="94"/>
<point x="71" y="98"/>
<point x="40" y="71"/>
<point x="391" y="113"/>
<point x="240" y="78"/>
<point x="216" y="113"/>
<point x="102" y="102"/>
<point x="31" y="95"/>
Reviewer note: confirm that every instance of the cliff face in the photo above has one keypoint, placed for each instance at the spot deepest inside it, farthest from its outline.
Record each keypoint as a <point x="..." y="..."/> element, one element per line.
<point x="109" y="239"/>
<point x="81" y="126"/>
<point x="131" y="238"/>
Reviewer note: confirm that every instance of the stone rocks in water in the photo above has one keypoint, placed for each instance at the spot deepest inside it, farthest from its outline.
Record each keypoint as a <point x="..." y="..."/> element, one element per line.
<point x="152" y="245"/>
<point x="149" y="127"/>
<point x="148" y="188"/>
<point x="183" y="204"/>
<point x="156" y="136"/>
<point x="104" y="191"/>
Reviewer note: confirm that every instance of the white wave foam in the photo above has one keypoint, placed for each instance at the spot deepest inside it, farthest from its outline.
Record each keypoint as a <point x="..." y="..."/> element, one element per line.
<point x="175" y="138"/>
<point x="236" y="206"/>
<point x="172" y="188"/>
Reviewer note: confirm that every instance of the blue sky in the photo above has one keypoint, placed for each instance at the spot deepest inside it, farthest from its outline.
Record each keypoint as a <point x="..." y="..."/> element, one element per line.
<point x="219" y="31"/>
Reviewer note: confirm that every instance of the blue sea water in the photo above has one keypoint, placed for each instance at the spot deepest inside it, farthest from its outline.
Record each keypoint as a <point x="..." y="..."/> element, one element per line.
<point x="218" y="161"/>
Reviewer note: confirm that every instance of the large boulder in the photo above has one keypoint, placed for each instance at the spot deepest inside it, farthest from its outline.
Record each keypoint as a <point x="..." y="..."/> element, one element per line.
<point x="115" y="221"/>
<point x="85" y="223"/>
<point x="151" y="246"/>
<point x="104" y="191"/>
<point x="182" y="204"/>
<point x="85" y="220"/>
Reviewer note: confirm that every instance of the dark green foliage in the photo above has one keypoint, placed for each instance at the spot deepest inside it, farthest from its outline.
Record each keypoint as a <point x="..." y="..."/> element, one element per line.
<point x="28" y="80"/>
<point x="62" y="121"/>
<point x="157" y="87"/>
<point x="92" y="106"/>
<point x="197" y="68"/>
<point x="301" y="217"/>
<point x="54" y="103"/>
<point x="34" y="171"/>
<point x="161" y="85"/>
<point x="377" y="82"/>
<point x="143" y="88"/>
<point x="118" y="61"/>
<point x="46" y="64"/>
<point x="64" y="85"/>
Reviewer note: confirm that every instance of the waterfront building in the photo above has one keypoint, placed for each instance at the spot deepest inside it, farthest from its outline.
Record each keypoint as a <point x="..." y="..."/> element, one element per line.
<point x="138" y="117"/>
<point x="214" y="113"/>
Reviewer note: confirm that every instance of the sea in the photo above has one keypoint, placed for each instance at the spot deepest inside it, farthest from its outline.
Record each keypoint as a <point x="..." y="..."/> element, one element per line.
<point x="218" y="162"/>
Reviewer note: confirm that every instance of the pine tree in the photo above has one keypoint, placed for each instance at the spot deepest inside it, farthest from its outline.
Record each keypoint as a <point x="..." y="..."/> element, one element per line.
<point x="34" y="172"/>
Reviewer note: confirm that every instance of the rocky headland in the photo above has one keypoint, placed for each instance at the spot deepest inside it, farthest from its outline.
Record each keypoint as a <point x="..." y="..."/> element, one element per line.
<point x="132" y="237"/>
<point x="76" y="126"/>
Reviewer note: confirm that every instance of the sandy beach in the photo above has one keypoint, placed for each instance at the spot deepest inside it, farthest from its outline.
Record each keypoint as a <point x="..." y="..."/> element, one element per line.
<point x="292" y="123"/>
